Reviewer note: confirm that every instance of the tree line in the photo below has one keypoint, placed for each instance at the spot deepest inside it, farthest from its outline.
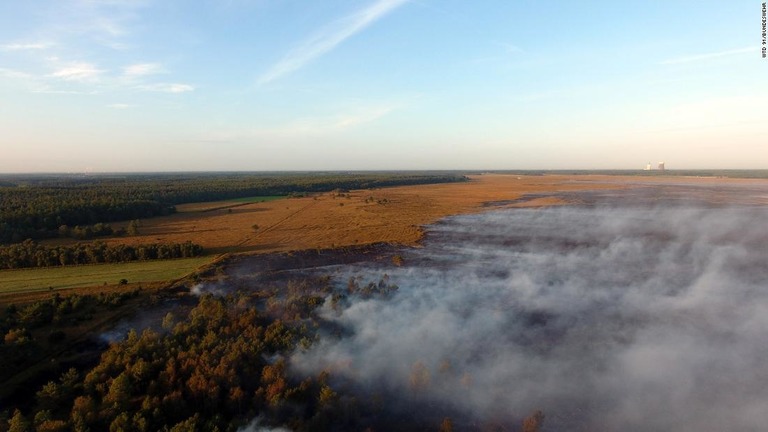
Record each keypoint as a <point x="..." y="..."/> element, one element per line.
<point x="36" y="206"/>
<point x="30" y="254"/>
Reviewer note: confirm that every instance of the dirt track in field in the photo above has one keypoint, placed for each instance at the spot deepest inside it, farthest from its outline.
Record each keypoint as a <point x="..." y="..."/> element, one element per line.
<point x="392" y="215"/>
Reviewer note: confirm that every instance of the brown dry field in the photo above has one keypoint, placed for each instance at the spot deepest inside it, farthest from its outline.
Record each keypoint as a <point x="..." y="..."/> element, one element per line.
<point x="327" y="220"/>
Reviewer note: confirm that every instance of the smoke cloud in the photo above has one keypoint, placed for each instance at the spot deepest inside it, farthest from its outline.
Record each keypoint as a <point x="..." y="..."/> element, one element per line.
<point x="256" y="426"/>
<point x="627" y="316"/>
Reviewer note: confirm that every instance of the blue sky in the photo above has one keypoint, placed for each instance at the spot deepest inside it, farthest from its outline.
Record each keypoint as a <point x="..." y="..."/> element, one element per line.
<point x="170" y="85"/>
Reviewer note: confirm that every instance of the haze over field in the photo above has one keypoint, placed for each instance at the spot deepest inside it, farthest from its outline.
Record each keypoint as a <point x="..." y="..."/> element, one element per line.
<point x="628" y="316"/>
<point x="157" y="85"/>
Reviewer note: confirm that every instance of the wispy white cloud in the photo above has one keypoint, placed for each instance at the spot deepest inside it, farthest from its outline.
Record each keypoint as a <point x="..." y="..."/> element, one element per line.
<point x="328" y="124"/>
<point x="46" y="89"/>
<point x="142" y="69"/>
<point x="78" y="72"/>
<point x="88" y="78"/>
<point x="329" y="38"/>
<point x="167" y="87"/>
<point x="86" y="26"/>
<point x="109" y="26"/>
<point x="25" y="46"/>
<point x="107" y="23"/>
<point x="707" y="56"/>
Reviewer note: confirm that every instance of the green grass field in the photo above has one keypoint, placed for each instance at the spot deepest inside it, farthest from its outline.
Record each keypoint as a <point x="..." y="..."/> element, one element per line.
<point x="27" y="280"/>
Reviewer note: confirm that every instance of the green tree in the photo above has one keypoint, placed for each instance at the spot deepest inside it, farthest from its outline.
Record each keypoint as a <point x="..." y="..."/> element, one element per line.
<point x="19" y="423"/>
<point x="119" y="393"/>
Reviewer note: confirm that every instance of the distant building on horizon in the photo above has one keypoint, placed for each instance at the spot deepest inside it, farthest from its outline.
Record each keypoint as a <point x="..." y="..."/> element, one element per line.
<point x="661" y="166"/>
<point x="647" y="167"/>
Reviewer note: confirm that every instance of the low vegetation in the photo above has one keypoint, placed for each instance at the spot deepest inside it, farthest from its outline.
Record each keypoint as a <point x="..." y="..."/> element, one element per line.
<point x="44" y="206"/>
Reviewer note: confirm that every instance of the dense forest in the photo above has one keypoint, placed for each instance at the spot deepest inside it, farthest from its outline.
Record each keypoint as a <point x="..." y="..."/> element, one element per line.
<point x="39" y="206"/>
<point x="29" y="254"/>
<point x="200" y="373"/>
<point x="218" y="365"/>
<point x="32" y="332"/>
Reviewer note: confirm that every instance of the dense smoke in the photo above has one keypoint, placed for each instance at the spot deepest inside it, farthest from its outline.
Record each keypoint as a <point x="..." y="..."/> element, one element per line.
<point x="624" y="317"/>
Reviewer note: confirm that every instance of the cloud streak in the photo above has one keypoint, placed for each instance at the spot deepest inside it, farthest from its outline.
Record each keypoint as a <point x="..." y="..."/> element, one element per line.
<point x="142" y="69"/>
<point x="168" y="88"/>
<point x="80" y="77"/>
<point x="25" y="46"/>
<point x="367" y="116"/>
<point x="329" y="38"/>
<point x="78" y="72"/>
<point x="708" y="56"/>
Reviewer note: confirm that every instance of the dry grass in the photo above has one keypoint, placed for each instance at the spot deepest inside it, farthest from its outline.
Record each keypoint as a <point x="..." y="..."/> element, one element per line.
<point x="219" y="205"/>
<point x="393" y="215"/>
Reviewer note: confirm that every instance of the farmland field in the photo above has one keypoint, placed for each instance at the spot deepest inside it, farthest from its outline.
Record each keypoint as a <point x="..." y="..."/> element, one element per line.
<point x="29" y="280"/>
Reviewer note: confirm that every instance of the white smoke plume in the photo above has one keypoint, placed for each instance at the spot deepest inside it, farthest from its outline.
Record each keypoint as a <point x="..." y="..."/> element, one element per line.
<point x="256" y="426"/>
<point x="624" y="317"/>
<point x="216" y="288"/>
